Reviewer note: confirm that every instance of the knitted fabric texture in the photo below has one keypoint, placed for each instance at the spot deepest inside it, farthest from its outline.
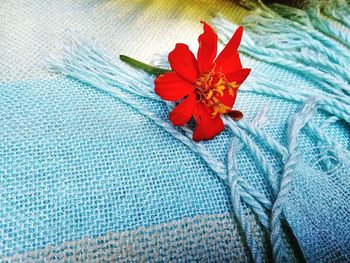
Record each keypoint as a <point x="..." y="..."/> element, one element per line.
<point x="91" y="169"/>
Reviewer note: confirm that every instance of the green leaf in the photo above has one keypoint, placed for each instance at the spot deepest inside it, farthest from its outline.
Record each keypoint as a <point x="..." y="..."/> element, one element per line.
<point x="140" y="65"/>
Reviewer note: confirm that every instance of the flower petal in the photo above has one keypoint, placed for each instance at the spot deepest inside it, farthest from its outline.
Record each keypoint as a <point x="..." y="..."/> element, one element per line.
<point x="207" y="127"/>
<point x="184" y="111"/>
<point x="170" y="86"/>
<point x="183" y="62"/>
<point x="228" y="60"/>
<point x="238" y="76"/>
<point x="228" y="98"/>
<point x="207" y="48"/>
<point x="236" y="115"/>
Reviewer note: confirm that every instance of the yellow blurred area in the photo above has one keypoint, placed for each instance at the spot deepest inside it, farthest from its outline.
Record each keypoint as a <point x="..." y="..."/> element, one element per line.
<point x="184" y="9"/>
<point x="155" y="26"/>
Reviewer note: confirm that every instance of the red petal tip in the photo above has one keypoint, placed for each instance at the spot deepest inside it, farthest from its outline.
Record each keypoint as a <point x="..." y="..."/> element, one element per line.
<point x="236" y="115"/>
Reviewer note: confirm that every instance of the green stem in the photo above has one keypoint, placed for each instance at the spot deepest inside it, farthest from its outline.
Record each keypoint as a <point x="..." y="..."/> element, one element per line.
<point x="140" y="65"/>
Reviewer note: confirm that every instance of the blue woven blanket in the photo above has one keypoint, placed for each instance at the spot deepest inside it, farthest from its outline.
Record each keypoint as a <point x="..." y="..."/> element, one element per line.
<point x="91" y="169"/>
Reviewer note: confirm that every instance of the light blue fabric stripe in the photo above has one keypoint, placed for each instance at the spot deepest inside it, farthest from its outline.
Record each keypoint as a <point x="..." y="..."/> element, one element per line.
<point x="76" y="162"/>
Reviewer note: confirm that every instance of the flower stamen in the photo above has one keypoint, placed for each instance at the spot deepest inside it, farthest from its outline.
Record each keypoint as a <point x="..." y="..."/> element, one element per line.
<point x="208" y="93"/>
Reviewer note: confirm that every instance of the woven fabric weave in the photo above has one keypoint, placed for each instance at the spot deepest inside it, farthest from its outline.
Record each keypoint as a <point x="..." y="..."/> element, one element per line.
<point x="92" y="170"/>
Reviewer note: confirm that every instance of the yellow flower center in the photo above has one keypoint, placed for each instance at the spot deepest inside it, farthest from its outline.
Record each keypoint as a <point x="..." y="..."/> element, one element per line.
<point x="210" y="87"/>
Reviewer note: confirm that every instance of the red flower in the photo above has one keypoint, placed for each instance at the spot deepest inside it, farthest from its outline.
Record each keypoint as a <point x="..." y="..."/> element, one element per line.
<point x="207" y="86"/>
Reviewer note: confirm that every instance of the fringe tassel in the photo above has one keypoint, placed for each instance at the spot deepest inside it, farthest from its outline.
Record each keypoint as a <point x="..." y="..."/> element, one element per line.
<point x="298" y="46"/>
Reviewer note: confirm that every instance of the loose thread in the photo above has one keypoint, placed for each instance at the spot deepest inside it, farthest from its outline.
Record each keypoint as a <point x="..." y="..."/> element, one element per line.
<point x="286" y="59"/>
<point x="95" y="80"/>
<point x="268" y="140"/>
<point x="338" y="11"/>
<point x="279" y="93"/>
<point x="245" y="224"/>
<point x="236" y="199"/>
<point x="242" y="191"/>
<point x="298" y="122"/>
<point x="256" y="154"/>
